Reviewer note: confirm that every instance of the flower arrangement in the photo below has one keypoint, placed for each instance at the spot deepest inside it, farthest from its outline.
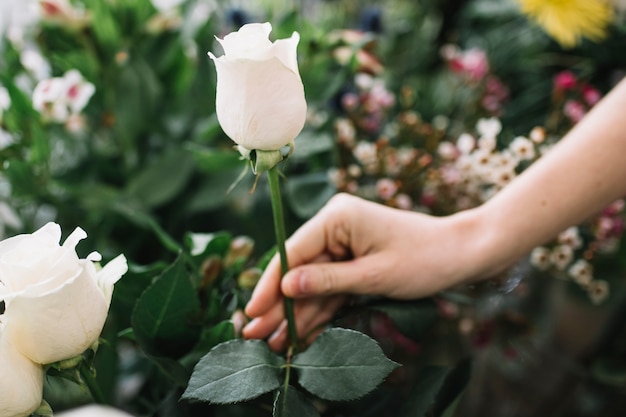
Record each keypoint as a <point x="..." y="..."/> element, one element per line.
<point x="114" y="120"/>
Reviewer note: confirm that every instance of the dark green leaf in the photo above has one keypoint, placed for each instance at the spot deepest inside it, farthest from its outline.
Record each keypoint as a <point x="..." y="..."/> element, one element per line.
<point x="162" y="318"/>
<point x="215" y="190"/>
<point x="610" y="370"/>
<point x="453" y="386"/>
<point x="429" y="381"/>
<point x="209" y="338"/>
<point x="412" y="318"/>
<point x="234" y="371"/>
<point x="172" y="368"/>
<point x="311" y="143"/>
<point x="292" y="403"/>
<point x="215" y="160"/>
<point x="162" y="180"/>
<point x="342" y="364"/>
<point x="307" y="193"/>
<point x="139" y="217"/>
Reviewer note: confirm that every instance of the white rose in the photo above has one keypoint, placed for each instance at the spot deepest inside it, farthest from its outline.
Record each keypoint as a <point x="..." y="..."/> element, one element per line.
<point x="93" y="411"/>
<point x="55" y="303"/>
<point x="21" y="380"/>
<point x="260" y="99"/>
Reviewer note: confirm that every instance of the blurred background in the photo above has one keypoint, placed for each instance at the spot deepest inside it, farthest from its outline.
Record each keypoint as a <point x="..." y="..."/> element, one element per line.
<point x="107" y="122"/>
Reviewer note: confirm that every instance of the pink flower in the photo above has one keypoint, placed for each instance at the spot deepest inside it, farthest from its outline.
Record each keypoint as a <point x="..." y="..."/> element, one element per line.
<point x="591" y="95"/>
<point x="386" y="188"/>
<point x="574" y="110"/>
<point x="565" y="80"/>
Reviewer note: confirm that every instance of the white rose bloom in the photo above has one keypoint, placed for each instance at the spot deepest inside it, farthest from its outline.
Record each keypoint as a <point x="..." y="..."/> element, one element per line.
<point x="260" y="99"/>
<point x="93" y="411"/>
<point x="55" y="303"/>
<point x="21" y="381"/>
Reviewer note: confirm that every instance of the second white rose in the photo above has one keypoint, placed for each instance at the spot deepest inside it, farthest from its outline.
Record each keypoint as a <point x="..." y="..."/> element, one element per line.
<point x="55" y="303"/>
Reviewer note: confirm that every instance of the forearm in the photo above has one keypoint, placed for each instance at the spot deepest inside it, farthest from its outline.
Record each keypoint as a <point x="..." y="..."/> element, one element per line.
<point x="581" y="175"/>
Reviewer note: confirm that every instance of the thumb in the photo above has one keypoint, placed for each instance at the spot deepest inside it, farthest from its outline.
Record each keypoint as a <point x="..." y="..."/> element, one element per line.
<point x="358" y="276"/>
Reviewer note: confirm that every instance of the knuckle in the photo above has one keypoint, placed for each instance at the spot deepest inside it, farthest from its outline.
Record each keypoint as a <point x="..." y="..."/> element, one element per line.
<point x="328" y="281"/>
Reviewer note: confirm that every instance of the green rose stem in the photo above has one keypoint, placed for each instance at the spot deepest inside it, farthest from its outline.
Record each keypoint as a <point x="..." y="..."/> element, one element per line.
<point x="279" y="228"/>
<point x="90" y="380"/>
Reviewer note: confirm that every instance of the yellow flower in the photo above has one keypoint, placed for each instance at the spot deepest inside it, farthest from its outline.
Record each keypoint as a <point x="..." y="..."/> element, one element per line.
<point x="567" y="21"/>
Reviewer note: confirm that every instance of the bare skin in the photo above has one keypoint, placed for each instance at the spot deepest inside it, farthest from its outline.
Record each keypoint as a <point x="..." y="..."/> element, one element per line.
<point x="357" y="247"/>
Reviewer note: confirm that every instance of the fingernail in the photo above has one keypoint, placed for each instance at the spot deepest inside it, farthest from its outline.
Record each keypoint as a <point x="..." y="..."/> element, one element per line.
<point x="248" y="328"/>
<point x="295" y="283"/>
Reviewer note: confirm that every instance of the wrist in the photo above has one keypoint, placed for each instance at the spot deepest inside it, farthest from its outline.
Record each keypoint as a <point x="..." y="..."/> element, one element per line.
<point x="483" y="250"/>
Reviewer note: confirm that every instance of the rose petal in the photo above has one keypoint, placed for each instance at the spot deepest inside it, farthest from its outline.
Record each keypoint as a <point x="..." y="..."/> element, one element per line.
<point x="21" y="381"/>
<point x="60" y="324"/>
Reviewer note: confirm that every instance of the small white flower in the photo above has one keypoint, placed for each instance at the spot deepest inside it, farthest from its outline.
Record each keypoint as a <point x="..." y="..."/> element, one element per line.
<point x="489" y="128"/>
<point x="570" y="237"/>
<point x="501" y="176"/>
<point x="482" y="162"/>
<point x="447" y="150"/>
<point x="77" y="91"/>
<point x="505" y="159"/>
<point x="561" y="256"/>
<point x="537" y="135"/>
<point x="346" y="133"/>
<point x="487" y="143"/>
<point x="598" y="291"/>
<point x="354" y="170"/>
<point x="59" y="97"/>
<point x="465" y="143"/>
<point x="540" y="258"/>
<point x="366" y="153"/>
<point x="523" y="148"/>
<point x="364" y="81"/>
<point x="582" y="272"/>
<point x="35" y="63"/>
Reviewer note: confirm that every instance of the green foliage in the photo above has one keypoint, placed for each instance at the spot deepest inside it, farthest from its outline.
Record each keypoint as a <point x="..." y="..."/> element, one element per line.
<point x="235" y="371"/>
<point x="147" y="171"/>
<point x="164" y="314"/>
<point x="291" y="402"/>
<point x="342" y="365"/>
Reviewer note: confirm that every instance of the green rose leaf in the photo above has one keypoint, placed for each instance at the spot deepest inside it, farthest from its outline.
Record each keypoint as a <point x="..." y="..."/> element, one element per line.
<point x="162" y="317"/>
<point x="234" y="371"/>
<point x="292" y="402"/>
<point x="308" y="193"/>
<point x="342" y="365"/>
<point x="428" y="384"/>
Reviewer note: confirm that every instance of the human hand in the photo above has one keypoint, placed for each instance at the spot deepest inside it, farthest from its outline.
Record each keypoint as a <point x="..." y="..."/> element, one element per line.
<point x="353" y="246"/>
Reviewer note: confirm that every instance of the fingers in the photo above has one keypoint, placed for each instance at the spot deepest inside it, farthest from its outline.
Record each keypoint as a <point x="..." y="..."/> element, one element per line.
<point x="264" y="325"/>
<point x="267" y="293"/>
<point x="365" y="275"/>
<point x="311" y="316"/>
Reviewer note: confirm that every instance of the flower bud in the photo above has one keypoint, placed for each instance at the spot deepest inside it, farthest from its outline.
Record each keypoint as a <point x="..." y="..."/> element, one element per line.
<point x="248" y="279"/>
<point x="211" y="270"/>
<point x="241" y="248"/>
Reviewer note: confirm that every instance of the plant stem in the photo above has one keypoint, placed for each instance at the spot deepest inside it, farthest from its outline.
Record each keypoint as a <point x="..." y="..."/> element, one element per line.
<point x="89" y="380"/>
<point x="279" y="228"/>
